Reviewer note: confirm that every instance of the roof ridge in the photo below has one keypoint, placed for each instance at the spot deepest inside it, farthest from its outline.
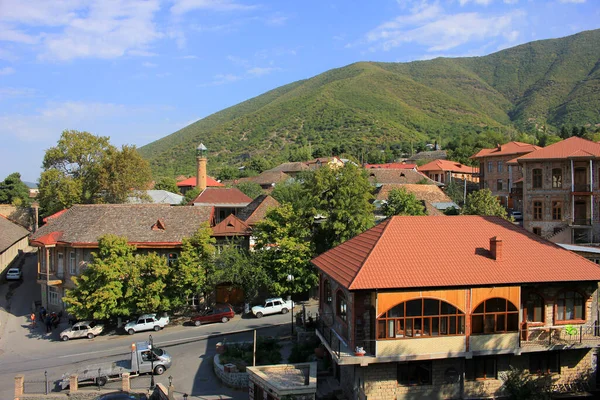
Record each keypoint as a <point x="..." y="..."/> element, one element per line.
<point x="387" y="224"/>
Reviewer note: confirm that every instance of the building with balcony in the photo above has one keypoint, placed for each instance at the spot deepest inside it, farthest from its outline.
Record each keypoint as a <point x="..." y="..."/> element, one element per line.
<point x="501" y="178"/>
<point x="440" y="307"/>
<point x="561" y="191"/>
<point x="444" y="171"/>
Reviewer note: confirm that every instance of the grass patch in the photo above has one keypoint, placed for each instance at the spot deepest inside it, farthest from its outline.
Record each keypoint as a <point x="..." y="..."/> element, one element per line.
<point x="268" y="351"/>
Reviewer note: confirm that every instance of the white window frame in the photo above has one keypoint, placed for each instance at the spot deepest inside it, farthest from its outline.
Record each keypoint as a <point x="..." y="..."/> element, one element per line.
<point x="72" y="263"/>
<point x="53" y="296"/>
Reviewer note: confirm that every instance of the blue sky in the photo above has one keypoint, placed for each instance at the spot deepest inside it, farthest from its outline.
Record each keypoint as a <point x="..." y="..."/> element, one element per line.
<point x="139" y="70"/>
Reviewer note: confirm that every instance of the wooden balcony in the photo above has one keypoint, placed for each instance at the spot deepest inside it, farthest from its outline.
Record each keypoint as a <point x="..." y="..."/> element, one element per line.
<point x="559" y="337"/>
<point x="52" y="278"/>
<point x="582" y="188"/>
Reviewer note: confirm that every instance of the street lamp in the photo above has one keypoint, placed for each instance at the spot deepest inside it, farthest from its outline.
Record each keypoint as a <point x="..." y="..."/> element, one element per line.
<point x="151" y="346"/>
<point x="290" y="278"/>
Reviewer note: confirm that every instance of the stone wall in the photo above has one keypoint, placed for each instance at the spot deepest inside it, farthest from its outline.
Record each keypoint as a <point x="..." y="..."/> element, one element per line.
<point x="238" y="380"/>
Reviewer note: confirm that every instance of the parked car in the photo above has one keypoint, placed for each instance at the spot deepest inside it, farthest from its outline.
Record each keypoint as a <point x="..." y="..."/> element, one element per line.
<point x="14" y="274"/>
<point x="273" y="306"/>
<point x="87" y="329"/>
<point x="517" y="215"/>
<point x="221" y="312"/>
<point x="147" y="322"/>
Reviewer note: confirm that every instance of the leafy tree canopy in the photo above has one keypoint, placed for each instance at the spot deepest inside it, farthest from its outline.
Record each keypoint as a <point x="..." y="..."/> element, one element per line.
<point x="83" y="168"/>
<point x="14" y="191"/>
<point x="167" y="183"/>
<point x="250" y="189"/>
<point x="402" y="202"/>
<point x="482" y="202"/>
<point x="190" y="195"/>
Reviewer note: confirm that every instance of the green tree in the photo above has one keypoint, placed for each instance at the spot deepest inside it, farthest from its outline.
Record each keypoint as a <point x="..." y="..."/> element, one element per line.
<point x="402" y="202"/>
<point x="146" y="286"/>
<point x="259" y="164"/>
<point x="83" y="168"/>
<point x="455" y="191"/>
<point x="14" y="191"/>
<point x="483" y="202"/>
<point x="167" y="183"/>
<point x="250" y="189"/>
<point x="99" y="291"/>
<point x="190" y="195"/>
<point x="188" y="276"/>
<point x="342" y="196"/>
<point x="242" y="269"/>
<point x="564" y="132"/>
<point x="290" y="191"/>
<point x="284" y="249"/>
<point x="228" y="172"/>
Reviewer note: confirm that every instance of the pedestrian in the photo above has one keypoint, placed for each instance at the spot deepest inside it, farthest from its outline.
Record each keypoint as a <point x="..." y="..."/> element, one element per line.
<point x="42" y="314"/>
<point x="54" y="319"/>
<point x="48" y="324"/>
<point x="32" y="316"/>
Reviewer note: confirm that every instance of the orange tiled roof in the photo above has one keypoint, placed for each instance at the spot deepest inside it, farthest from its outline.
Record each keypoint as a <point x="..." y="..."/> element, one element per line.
<point x="446" y="165"/>
<point x="222" y="196"/>
<point x="429" y="193"/>
<point x="391" y="166"/>
<point x="573" y="147"/>
<point x="412" y="252"/>
<point x="210" y="182"/>
<point x="506" y="149"/>
<point x="231" y="226"/>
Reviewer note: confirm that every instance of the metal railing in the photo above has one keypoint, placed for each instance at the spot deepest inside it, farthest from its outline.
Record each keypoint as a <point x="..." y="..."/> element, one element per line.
<point x="582" y="221"/>
<point x="581" y="188"/>
<point x="339" y="346"/>
<point x="567" y="335"/>
<point x="52" y="276"/>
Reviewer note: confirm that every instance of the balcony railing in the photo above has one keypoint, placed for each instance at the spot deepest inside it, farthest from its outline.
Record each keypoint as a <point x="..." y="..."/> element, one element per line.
<point x="568" y="335"/>
<point x="582" y="188"/>
<point x="516" y="191"/>
<point x="53" y="278"/>
<point x="338" y="345"/>
<point x="582" y="221"/>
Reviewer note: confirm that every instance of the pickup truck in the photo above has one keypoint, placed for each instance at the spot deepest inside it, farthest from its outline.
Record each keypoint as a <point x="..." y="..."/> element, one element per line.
<point x="273" y="306"/>
<point x="142" y="359"/>
<point x="147" y="322"/>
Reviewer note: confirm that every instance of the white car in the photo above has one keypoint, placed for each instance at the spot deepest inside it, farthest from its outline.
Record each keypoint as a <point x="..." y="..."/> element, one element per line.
<point x="273" y="306"/>
<point x="147" y="322"/>
<point x="83" y="329"/>
<point x="14" y="274"/>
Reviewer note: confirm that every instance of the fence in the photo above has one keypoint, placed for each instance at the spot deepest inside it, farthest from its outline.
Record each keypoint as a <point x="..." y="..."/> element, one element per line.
<point x="35" y="386"/>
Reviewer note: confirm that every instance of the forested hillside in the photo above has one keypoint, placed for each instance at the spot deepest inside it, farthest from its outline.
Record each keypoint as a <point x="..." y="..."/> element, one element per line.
<point x="379" y="111"/>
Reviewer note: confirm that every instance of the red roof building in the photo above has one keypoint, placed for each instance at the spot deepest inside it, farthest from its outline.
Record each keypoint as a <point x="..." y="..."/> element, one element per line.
<point x="225" y="201"/>
<point x="190" y="183"/>
<point x="444" y="171"/>
<point x="465" y="296"/>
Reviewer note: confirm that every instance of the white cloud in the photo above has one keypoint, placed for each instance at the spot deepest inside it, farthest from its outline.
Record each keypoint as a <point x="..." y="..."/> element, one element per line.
<point x="258" y="71"/>
<point x="276" y="20"/>
<point x="149" y="65"/>
<point x="572" y="1"/>
<point x="222" y="79"/>
<point x="184" y="6"/>
<point x="142" y="53"/>
<point x="11" y="93"/>
<point x="189" y="57"/>
<point x="480" y="2"/>
<point x="7" y="71"/>
<point x="511" y="1"/>
<point x="238" y="61"/>
<point x="428" y="25"/>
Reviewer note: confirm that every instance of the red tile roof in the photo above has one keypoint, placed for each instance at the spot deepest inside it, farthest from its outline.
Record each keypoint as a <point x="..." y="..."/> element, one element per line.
<point x="446" y="165"/>
<point x="573" y="147"/>
<point x="231" y="226"/>
<point x="222" y="197"/>
<point x="210" y="182"/>
<point x="54" y="216"/>
<point x="506" y="149"/>
<point x="412" y="252"/>
<point x="391" y="166"/>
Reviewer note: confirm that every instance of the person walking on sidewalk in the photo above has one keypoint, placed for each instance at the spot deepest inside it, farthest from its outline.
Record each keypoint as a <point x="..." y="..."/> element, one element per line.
<point x="32" y="316"/>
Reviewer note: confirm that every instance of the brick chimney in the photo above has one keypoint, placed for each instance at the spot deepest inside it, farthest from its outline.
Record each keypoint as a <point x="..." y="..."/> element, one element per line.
<point x="496" y="248"/>
<point x="201" y="167"/>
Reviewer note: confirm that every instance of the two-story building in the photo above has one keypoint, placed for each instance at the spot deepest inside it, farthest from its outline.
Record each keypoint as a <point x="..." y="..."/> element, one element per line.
<point x="561" y="191"/>
<point x="500" y="177"/>
<point x="441" y="307"/>
<point x="444" y="171"/>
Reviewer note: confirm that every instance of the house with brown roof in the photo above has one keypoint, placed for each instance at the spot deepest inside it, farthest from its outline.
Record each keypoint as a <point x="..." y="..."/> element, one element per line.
<point x="290" y="168"/>
<point x="561" y="191"/>
<point x="399" y="320"/>
<point x="395" y="176"/>
<point x="65" y="244"/>
<point x="267" y="179"/>
<point x="391" y="166"/>
<point x="13" y="239"/>
<point x="226" y="201"/>
<point x="501" y="177"/>
<point x="444" y="171"/>
<point x="432" y="197"/>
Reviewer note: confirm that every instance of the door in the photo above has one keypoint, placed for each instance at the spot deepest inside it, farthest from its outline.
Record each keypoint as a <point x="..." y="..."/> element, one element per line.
<point x="75" y="332"/>
<point x="141" y="325"/>
<point x="580" y="213"/>
<point x="277" y="306"/>
<point x="580" y="181"/>
<point x="61" y="265"/>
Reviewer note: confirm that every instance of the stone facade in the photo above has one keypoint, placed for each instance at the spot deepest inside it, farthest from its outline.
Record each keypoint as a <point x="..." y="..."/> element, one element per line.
<point x="494" y="169"/>
<point x="238" y="380"/>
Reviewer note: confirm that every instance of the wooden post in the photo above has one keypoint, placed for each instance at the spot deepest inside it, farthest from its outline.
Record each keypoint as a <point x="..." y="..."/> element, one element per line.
<point x="19" y="386"/>
<point x="254" y="350"/>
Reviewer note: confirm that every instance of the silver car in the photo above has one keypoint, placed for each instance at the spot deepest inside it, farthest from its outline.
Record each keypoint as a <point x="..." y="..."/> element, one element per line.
<point x="14" y="274"/>
<point x="88" y="329"/>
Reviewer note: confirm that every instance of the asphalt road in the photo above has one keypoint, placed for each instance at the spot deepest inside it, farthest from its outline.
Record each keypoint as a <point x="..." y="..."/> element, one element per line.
<point x="31" y="351"/>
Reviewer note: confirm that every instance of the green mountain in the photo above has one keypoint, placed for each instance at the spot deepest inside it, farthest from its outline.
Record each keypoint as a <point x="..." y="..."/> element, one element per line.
<point x="389" y="107"/>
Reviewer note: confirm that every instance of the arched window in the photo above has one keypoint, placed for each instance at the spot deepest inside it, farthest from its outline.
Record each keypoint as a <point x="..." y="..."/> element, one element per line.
<point x="495" y="315"/>
<point x="340" y="306"/>
<point x="533" y="308"/>
<point x="421" y="318"/>
<point x="327" y="291"/>
<point x="569" y="306"/>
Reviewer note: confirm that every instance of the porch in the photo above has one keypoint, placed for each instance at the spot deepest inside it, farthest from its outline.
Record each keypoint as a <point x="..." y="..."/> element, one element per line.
<point x="559" y="337"/>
